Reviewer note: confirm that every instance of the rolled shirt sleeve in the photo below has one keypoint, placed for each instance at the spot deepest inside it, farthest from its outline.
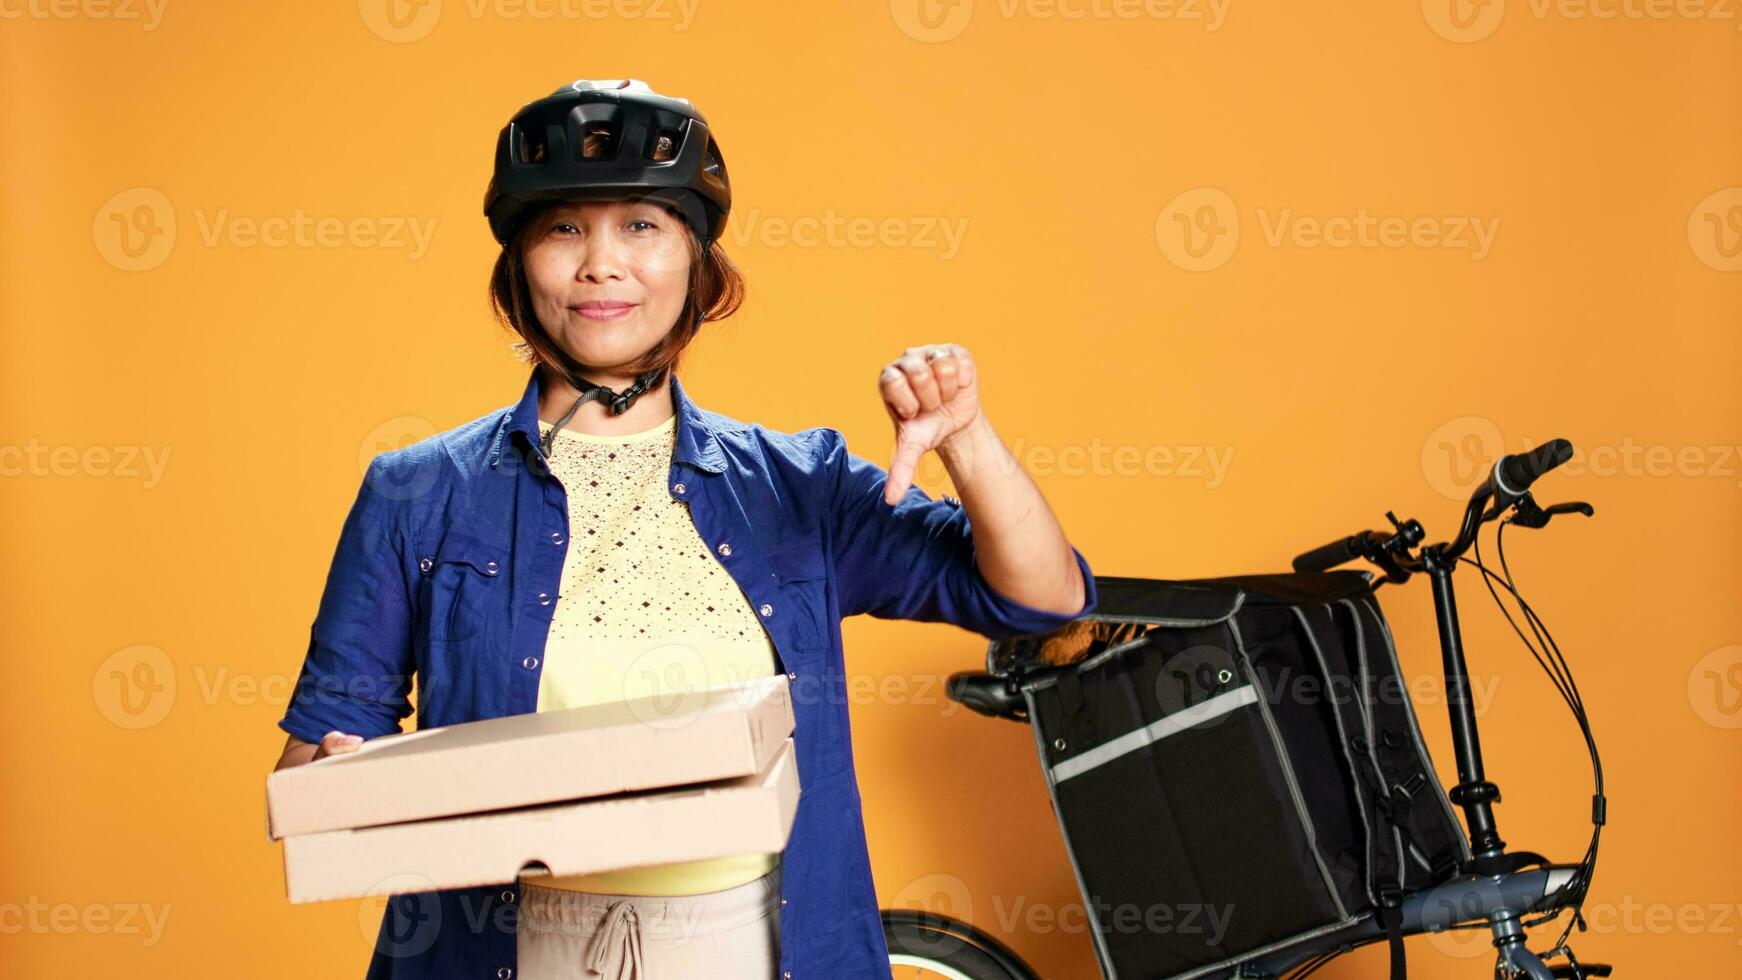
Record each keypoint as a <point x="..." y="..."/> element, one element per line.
<point x="356" y="676"/>
<point x="916" y="560"/>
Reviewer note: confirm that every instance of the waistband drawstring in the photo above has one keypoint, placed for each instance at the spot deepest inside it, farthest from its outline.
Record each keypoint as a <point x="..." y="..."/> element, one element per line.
<point x="617" y="944"/>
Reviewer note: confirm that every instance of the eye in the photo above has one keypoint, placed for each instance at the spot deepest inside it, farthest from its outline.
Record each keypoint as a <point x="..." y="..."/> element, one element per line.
<point x="561" y="225"/>
<point x="642" y="221"/>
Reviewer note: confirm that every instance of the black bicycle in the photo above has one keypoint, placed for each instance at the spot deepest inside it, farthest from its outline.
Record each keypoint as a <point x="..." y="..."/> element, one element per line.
<point x="1505" y="892"/>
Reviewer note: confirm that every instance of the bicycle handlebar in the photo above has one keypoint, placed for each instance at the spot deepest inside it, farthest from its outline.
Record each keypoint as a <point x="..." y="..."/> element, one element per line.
<point x="1327" y="556"/>
<point x="1514" y="474"/>
<point x="1507" y="483"/>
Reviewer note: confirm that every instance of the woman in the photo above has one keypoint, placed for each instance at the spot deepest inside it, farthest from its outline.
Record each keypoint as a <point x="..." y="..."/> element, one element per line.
<point x="605" y="532"/>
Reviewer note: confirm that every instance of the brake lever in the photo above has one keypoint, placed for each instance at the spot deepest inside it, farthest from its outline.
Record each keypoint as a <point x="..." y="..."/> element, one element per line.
<point x="1526" y="512"/>
<point x="1383" y="551"/>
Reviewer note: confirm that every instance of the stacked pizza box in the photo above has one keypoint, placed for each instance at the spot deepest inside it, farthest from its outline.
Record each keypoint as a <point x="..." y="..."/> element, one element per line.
<point x="654" y="780"/>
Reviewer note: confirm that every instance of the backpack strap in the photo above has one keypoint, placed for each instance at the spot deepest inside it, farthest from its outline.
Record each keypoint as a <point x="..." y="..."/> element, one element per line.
<point x="1390" y="916"/>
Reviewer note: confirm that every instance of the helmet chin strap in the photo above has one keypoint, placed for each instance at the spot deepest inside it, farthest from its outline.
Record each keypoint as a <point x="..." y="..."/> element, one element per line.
<point x="617" y="403"/>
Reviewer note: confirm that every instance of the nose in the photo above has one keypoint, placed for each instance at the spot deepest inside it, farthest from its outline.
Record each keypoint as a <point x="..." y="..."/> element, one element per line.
<point x="602" y="258"/>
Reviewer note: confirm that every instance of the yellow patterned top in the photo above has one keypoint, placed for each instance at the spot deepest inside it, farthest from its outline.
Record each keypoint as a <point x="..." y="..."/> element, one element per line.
<point x="644" y="607"/>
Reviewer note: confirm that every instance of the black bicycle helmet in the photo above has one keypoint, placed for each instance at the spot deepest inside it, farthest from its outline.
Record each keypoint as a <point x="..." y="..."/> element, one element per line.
<point x="608" y="139"/>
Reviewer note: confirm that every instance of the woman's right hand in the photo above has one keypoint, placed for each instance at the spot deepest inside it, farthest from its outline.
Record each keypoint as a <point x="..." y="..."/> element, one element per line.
<point x="297" y="752"/>
<point x="335" y="743"/>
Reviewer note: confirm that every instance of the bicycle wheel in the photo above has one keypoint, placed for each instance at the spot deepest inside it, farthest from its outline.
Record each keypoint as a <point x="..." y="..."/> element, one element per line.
<point x="923" y="946"/>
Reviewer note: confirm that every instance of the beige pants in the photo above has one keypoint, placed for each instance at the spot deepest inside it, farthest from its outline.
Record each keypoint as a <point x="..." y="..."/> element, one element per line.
<point x="725" y="935"/>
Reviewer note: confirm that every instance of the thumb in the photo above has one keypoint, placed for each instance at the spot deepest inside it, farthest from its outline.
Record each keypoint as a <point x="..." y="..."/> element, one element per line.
<point x="336" y="743"/>
<point x="901" y="469"/>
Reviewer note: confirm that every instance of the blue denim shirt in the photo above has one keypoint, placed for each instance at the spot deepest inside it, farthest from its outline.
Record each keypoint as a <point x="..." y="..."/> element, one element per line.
<point x="448" y="565"/>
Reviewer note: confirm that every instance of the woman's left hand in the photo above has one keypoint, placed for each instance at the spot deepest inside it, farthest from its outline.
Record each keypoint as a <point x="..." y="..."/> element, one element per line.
<point x="930" y="394"/>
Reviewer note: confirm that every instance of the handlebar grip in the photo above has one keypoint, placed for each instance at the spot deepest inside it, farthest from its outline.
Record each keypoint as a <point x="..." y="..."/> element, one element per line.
<point x="1328" y="556"/>
<point x="988" y="694"/>
<point x="1516" y="473"/>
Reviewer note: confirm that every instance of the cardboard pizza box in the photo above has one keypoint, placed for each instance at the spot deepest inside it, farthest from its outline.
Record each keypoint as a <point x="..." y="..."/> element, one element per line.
<point x="746" y="814"/>
<point x="526" y="759"/>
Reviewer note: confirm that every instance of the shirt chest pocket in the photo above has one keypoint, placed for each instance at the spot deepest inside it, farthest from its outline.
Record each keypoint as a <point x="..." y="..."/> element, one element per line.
<point x="464" y="588"/>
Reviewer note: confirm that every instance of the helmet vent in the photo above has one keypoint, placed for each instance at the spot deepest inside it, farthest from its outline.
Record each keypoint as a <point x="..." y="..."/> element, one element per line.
<point x="531" y="147"/>
<point x="665" y="145"/>
<point x="598" y="141"/>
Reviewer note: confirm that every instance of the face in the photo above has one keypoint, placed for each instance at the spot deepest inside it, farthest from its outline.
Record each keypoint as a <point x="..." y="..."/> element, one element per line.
<point x="608" y="278"/>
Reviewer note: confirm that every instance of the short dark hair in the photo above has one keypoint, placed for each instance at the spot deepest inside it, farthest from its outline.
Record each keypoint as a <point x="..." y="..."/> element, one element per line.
<point x="716" y="290"/>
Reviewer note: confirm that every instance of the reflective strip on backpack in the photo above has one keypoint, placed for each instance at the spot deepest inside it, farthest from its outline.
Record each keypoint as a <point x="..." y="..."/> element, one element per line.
<point x="1155" y="731"/>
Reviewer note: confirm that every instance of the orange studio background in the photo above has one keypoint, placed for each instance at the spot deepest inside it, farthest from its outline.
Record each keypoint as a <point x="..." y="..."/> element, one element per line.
<point x="1240" y="276"/>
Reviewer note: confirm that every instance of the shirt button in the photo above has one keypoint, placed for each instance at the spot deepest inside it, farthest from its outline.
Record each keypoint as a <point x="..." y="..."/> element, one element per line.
<point x="556" y="537"/>
<point x="508" y="896"/>
<point x="424" y="565"/>
<point x="506" y="973"/>
<point x="544" y="598"/>
<point x="765" y="609"/>
<point x="678" y="488"/>
<point x="783" y="901"/>
<point x="791" y="675"/>
<point x="490" y="568"/>
<point x="786" y="975"/>
<point x="725" y="549"/>
<point x="529" y="663"/>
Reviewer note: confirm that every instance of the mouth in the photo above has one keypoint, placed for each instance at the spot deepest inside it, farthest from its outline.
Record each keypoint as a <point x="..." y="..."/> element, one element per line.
<point x="603" y="309"/>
